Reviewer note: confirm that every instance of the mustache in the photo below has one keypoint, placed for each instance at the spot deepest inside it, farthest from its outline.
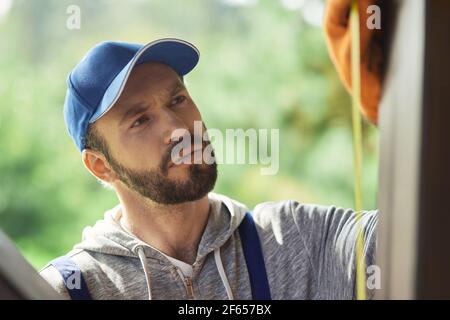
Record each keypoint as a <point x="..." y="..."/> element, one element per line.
<point x="184" y="144"/>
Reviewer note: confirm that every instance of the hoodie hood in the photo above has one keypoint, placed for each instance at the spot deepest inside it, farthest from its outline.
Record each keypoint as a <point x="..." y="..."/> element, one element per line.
<point x="108" y="237"/>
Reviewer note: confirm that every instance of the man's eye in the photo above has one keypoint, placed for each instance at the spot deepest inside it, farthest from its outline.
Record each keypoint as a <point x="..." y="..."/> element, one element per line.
<point x="139" y="121"/>
<point x="178" y="100"/>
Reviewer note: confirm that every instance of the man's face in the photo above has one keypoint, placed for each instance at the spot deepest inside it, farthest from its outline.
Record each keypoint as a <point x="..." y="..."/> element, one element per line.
<point x="138" y="134"/>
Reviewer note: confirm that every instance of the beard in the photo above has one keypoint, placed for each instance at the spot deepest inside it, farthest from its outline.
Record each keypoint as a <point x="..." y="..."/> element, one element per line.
<point x="157" y="186"/>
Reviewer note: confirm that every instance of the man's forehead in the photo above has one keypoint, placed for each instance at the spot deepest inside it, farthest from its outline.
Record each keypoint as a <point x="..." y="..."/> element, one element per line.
<point x="152" y="67"/>
<point x="139" y="104"/>
<point x="148" y="88"/>
<point x="147" y="83"/>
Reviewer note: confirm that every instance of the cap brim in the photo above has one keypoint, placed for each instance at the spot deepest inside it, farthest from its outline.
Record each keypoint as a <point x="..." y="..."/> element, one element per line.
<point x="180" y="55"/>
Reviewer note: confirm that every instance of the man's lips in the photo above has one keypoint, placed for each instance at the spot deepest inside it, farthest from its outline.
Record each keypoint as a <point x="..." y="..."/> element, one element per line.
<point x="188" y="159"/>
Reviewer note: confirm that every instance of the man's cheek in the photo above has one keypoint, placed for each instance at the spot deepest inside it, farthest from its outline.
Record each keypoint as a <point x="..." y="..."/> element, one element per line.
<point x="142" y="159"/>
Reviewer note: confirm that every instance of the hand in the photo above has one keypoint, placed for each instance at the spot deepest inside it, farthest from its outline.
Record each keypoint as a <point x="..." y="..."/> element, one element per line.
<point x="338" y="37"/>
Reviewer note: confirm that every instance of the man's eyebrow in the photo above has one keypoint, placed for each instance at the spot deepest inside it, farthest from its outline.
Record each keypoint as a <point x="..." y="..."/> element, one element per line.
<point x="178" y="86"/>
<point x="134" y="110"/>
<point x="141" y="106"/>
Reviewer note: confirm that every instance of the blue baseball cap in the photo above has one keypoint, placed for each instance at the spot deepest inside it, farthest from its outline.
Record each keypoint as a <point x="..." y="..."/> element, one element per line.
<point x="97" y="81"/>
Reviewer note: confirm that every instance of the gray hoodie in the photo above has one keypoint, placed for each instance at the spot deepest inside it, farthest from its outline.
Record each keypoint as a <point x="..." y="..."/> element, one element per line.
<point x="309" y="252"/>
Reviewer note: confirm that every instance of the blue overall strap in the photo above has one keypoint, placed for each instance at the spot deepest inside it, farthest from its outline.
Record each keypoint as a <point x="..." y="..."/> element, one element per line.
<point x="254" y="259"/>
<point x="73" y="278"/>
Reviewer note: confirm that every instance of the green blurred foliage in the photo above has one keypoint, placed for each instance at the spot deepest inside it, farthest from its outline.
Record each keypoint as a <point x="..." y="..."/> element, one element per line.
<point x="261" y="66"/>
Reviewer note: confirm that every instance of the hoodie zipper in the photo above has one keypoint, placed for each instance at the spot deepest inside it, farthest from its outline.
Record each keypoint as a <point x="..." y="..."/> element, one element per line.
<point x="189" y="288"/>
<point x="187" y="282"/>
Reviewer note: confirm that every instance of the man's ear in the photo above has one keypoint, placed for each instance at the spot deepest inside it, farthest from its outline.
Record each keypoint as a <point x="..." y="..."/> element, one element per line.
<point x="96" y="164"/>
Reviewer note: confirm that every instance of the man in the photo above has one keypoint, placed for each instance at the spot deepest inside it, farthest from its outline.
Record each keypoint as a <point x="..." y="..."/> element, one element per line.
<point x="170" y="237"/>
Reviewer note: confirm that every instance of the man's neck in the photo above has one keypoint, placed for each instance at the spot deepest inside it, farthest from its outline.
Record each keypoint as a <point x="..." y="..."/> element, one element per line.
<point x="175" y="230"/>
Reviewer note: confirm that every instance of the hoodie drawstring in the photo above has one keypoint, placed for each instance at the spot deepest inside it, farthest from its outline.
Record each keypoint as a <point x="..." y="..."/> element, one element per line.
<point x="222" y="274"/>
<point x="143" y="259"/>
<point x="140" y="252"/>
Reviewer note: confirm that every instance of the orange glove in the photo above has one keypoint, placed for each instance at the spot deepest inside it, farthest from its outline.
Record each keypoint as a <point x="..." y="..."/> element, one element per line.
<point x="338" y="37"/>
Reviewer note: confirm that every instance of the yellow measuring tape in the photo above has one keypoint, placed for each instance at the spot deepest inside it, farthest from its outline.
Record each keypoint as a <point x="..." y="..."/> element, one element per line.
<point x="357" y="150"/>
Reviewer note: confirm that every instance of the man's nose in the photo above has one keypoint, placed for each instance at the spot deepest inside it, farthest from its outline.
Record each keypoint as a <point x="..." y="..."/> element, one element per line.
<point x="175" y="128"/>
